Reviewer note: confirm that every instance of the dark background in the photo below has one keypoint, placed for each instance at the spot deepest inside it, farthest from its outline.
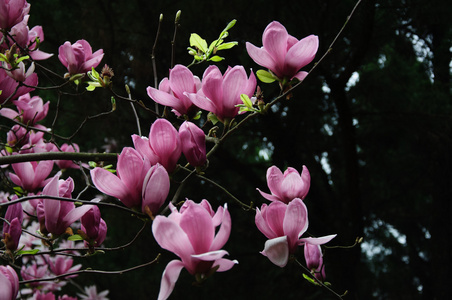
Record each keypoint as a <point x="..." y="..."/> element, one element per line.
<point x="385" y="137"/>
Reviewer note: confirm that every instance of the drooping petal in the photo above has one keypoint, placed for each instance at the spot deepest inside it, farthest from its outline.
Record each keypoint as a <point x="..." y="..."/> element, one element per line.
<point x="317" y="241"/>
<point x="166" y="99"/>
<point x="210" y="256"/>
<point x="277" y="251"/>
<point x="260" y="56"/>
<point x="169" y="278"/>
<point x="224" y="264"/>
<point x="268" y="196"/>
<point x="110" y="184"/>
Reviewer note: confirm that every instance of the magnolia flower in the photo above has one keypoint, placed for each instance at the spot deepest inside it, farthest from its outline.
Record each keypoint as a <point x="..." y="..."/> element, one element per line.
<point x="66" y="164"/>
<point x="19" y="74"/>
<point x="220" y="94"/>
<point x="171" y="92"/>
<point x="283" y="225"/>
<point x="12" y="12"/>
<point x="127" y="184"/>
<point x="283" y="54"/>
<point x="56" y="216"/>
<point x="190" y="234"/>
<point x="79" y="57"/>
<point x="9" y="89"/>
<point x="13" y="230"/>
<point x="156" y="187"/>
<point x="288" y="186"/>
<point x="193" y="141"/>
<point x="30" y="110"/>
<point x="163" y="145"/>
<point x="60" y="265"/>
<point x="31" y="175"/>
<point x="94" y="227"/>
<point x="92" y="294"/>
<point x="9" y="283"/>
<point x="314" y="260"/>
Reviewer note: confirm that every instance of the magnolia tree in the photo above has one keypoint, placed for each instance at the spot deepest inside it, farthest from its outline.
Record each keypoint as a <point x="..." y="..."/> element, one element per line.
<point x="45" y="226"/>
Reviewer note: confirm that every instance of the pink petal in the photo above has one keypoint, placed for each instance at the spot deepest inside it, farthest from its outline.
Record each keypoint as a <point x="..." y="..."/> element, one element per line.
<point x="295" y="222"/>
<point x="275" y="217"/>
<point x="301" y="75"/>
<point x="301" y="54"/>
<point x="274" y="181"/>
<point x="222" y="235"/>
<point x="224" y="264"/>
<point x="141" y="144"/>
<point x="268" y="196"/>
<point x="110" y="184"/>
<point x="262" y="225"/>
<point x="130" y="164"/>
<point x="277" y="251"/>
<point x="171" y="237"/>
<point x="260" y="56"/>
<point x="274" y="41"/>
<point x="317" y="241"/>
<point x="211" y="256"/>
<point x="197" y="224"/>
<point x="169" y="278"/>
<point x="166" y="99"/>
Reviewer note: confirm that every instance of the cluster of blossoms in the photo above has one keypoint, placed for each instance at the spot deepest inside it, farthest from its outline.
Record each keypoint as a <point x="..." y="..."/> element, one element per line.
<point x="195" y="232"/>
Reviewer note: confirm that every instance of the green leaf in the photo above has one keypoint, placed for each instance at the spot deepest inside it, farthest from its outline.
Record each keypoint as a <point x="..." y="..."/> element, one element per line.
<point x="198" y="42"/>
<point x="22" y="58"/>
<point x="246" y="100"/>
<point x="21" y="252"/>
<point x="265" y="76"/>
<point x="216" y="58"/>
<point x="227" y="45"/>
<point x="310" y="279"/>
<point x="213" y="118"/>
<point x="75" y="237"/>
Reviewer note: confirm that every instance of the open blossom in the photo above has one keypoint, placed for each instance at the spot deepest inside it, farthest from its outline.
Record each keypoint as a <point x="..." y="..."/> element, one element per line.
<point x="220" y="94"/>
<point x="190" y="234"/>
<point x="282" y="53"/>
<point x="288" y="186"/>
<point x="163" y="145"/>
<point x="283" y="225"/>
<point x="12" y="12"/>
<point x="171" y="92"/>
<point x="66" y="164"/>
<point x="31" y="175"/>
<point x="19" y="73"/>
<point x="9" y="89"/>
<point x="56" y="216"/>
<point x="92" y="294"/>
<point x="9" y="283"/>
<point x="79" y="57"/>
<point x="30" y="110"/>
<point x="193" y="141"/>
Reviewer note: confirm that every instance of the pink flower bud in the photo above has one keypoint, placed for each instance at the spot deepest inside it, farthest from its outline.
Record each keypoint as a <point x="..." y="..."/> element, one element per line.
<point x="12" y="231"/>
<point x="314" y="260"/>
<point x="79" y="57"/>
<point x="94" y="227"/>
<point x="288" y="186"/>
<point x="193" y="143"/>
<point x="66" y="164"/>
<point x="31" y="175"/>
<point x="9" y="282"/>
<point x="156" y="187"/>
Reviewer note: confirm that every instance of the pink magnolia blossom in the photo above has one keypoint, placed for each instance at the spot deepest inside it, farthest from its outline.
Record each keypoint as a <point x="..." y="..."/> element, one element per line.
<point x="9" y="85"/>
<point x="79" y="57"/>
<point x="30" y="110"/>
<point x="288" y="186"/>
<point x="220" y="94"/>
<point x="60" y="265"/>
<point x="31" y="175"/>
<point x="66" y="164"/>
<point x="94" y="227"/>
<point x="13" y="230"/>
<point x="171" y="92"/>
<point x="163" y="145"/>
<point x="190" y="234"/>
<point x="26" y="38"/>
<point x="283" y="225"/>
<point x="9" y="283"/>
<point x="314" y="260"/>
<point x="12" y="12"/>
<point x="282" y="53"/>
<point x="127" y="185"/>
<point x="56" y="216"/>
<point x="92" y="294"/>
<point x="19" y="73"/>
<point x="193" y="141"/>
